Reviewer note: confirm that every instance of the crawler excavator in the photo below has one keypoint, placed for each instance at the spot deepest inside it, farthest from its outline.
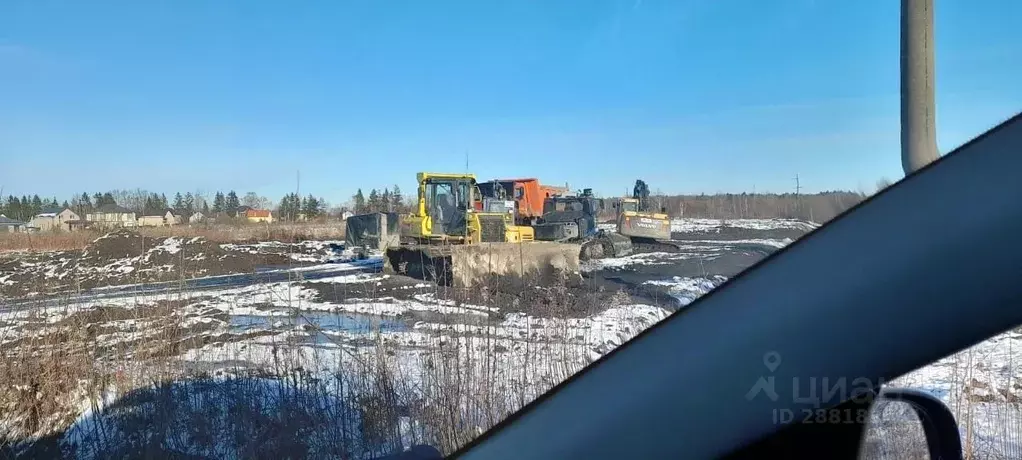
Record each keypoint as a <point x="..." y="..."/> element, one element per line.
<point x="456" y="237"/>
<point x="649" y="231"/>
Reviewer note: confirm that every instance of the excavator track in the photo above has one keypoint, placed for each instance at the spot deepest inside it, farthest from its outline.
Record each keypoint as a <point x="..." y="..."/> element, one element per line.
<point x="646" y="245"/>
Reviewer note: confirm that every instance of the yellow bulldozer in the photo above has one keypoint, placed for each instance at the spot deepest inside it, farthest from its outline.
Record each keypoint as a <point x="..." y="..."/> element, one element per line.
<point x="457" y="237"/>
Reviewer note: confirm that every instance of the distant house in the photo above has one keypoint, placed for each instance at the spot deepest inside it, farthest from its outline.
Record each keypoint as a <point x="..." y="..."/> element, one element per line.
<point x="259" y="215"/>
<point x="57" y="219"/>
<point x="164" y="218"/>
<point x="111" y="215"/>
<point x="10" y="225"/>
<point x="346" y="214"/>
<point x="242" y="211"/>
<point x="196" y="218"/>
<point x="174" y="218"/>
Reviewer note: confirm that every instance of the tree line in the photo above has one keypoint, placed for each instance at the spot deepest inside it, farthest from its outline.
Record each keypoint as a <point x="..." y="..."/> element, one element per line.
<point x="389" y="200"/>
<point x="144" y="202"/>
<point x="817" y="207"/>
<point x="25" y="208"/>
<point x="293" y="208"/>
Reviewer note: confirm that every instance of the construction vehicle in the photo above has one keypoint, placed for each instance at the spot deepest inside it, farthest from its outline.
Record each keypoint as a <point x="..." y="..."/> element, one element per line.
<point x="572" y="219"/>
<point x="650" y="231"/>
<point x="528" y="195"/>
<point x="456" y="236"/>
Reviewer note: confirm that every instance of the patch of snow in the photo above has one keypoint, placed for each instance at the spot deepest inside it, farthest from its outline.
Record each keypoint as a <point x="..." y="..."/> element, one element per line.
<point x="170" y="245"/>
<point x="714" y="225"/>
<point x="648" y="258"/>
<point x="774" y="243"/>
<point x="687" y="290"/>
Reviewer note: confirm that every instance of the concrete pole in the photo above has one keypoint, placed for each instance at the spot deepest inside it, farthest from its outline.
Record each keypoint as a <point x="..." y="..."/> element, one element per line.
<point x="918" y="112"/>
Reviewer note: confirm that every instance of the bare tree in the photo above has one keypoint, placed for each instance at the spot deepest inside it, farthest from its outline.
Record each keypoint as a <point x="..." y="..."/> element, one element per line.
<point x="252" y="200"/>
<point x="131" y="199"/>
<point x="883" y="183"/>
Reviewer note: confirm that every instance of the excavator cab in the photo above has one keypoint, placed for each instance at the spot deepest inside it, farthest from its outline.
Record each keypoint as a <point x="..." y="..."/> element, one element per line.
<point x="629" y="205"/>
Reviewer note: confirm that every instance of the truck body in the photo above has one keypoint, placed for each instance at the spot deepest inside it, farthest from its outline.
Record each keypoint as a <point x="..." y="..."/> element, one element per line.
<point x="528" y="195"/>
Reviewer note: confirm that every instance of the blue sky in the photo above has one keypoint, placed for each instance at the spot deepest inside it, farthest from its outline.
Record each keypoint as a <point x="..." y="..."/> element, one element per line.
<point x="692" y="96"/>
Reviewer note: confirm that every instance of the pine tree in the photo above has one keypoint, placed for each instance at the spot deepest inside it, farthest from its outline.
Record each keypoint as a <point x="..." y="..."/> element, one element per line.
<point x="385" y="204"/>
<point x="396" y="200"/>
<point x="24" y="207"/>
<point x="108" y="199"/>
<point x="86" y="203"/>
<point x="310" y="207"/>
<point x="179" y="202"/>
<point x="11" y="207"/>
<point x="37" y="205"/>
<point x="374" y="201"/>
<point x="232" y="204"/>
<point x="65" y="205"/>
<point x="189" y="202"/>
<point x="360" y="202"/>
<point x="205" y="209"/>
<point x="219" y="203"/>
<point x="290" y="207"/>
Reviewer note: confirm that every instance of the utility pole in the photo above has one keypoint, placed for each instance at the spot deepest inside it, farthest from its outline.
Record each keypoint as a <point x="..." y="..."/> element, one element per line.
<point x="918" y="109"/>
<point x="798" y="199"/>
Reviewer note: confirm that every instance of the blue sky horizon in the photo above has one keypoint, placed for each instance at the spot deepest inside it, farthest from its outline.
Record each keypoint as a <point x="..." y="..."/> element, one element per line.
<point x="691" y="96"/>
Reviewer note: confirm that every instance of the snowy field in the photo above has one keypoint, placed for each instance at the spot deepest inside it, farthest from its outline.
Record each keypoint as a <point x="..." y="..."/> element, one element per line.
<point x="711" y="225"/>
<point x="397" y="359"/>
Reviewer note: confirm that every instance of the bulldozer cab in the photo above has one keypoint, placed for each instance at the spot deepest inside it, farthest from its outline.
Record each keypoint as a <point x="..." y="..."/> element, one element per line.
<point x="446" y="201"/>
<point x="582" y="205"/>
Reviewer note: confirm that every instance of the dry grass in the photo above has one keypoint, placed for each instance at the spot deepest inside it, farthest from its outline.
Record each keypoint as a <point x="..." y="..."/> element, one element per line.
<point x="63" y="241"/>
<point x="455" y="387"/>
<point x="55" y="241"/>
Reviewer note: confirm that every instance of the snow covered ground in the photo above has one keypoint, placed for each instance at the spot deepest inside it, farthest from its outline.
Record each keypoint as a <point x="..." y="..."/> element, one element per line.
<point x="693" y="225"/>
<point x="425" y="349"/>
<point x="709" y="225"/>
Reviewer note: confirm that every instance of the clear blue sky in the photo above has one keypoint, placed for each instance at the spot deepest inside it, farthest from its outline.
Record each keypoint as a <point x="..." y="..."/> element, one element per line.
<point x="692" y="96"/>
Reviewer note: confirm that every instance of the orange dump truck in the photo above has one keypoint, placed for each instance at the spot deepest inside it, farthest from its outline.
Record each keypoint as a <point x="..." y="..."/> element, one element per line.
<point x="528" y="195"/>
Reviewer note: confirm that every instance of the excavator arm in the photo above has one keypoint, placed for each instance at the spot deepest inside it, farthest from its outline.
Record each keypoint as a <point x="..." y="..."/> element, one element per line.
<point x="641" y="193"/>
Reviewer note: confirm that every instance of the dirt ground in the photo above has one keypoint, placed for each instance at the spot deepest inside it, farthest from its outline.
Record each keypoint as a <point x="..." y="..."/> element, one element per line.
<point x="128" y="257"/>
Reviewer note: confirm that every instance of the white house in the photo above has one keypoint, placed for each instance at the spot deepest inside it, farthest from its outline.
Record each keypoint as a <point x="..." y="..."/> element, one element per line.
<point x="112" y="215"/>
<point x="163" y="218"/>
<point x="56" y="219"/>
